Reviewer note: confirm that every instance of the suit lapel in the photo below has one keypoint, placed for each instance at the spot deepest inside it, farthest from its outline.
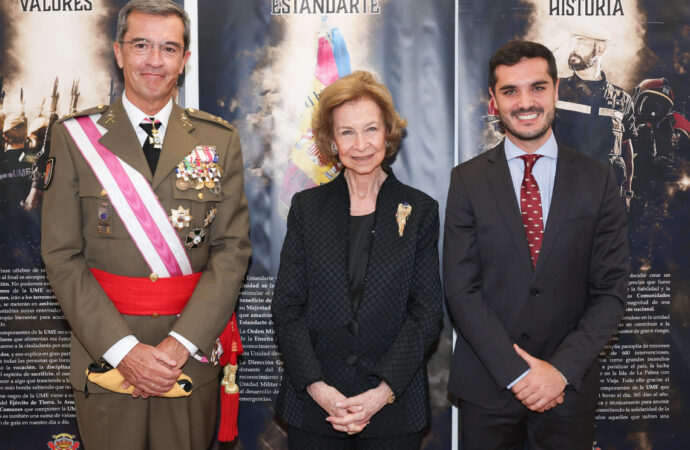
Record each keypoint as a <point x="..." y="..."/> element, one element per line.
<point x="177" y="144"/>
<point x="503" y="192"/>
<point x="561" y="199"/>
<point x="337" y="205"/>
<point x="121" y="139"/>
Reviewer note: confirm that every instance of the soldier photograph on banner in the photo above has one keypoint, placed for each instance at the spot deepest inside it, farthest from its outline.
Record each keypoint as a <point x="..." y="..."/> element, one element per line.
<point x="623" y="99"/>
<point x="53" y="63"/>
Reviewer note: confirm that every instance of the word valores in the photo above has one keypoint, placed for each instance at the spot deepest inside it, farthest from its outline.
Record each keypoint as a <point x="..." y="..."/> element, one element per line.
<point x="55" y="5"/>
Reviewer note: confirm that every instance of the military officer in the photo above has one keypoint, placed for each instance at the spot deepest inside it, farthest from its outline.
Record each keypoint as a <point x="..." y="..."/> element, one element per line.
<point x="145" y="242"/>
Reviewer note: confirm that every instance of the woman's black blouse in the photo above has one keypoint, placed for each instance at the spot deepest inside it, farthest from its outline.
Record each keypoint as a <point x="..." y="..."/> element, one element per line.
<point x="361" y="228"/>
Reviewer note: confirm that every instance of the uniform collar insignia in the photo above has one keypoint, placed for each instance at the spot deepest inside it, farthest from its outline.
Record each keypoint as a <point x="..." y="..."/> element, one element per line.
<point x="110" y="117"/>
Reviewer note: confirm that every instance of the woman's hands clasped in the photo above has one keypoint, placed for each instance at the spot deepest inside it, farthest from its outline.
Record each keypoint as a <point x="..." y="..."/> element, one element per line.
<point x="349" y="415"/>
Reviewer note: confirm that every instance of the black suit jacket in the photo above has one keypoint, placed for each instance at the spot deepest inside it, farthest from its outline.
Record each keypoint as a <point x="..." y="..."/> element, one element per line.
<point x="398" y="318"/>
<point x="565" y="310"/>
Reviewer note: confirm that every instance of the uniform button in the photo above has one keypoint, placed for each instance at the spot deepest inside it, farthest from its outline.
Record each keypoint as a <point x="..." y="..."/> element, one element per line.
<point x="353" y="327"/>
<point x="351" y="360"/>
<point x="103" y="193"/>
<point x="525" y="337"/>
<point x="155" y="315"/>
<point x="153" y="277"/>
<point x="534" y="292"/>
<point x="200" y="195"/>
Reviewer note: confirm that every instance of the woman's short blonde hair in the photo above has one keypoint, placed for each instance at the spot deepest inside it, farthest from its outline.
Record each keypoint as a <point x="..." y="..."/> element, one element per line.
<point x="357" y="85"/>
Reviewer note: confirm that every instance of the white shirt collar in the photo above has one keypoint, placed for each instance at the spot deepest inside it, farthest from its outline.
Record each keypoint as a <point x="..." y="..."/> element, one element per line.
<point x="136" y="116"/>
<point x="548" y="148"/>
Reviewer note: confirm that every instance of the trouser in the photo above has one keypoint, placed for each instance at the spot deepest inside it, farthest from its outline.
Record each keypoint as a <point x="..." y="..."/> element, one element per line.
<point x="119" y="421"/>
<point x="510" y="427"/>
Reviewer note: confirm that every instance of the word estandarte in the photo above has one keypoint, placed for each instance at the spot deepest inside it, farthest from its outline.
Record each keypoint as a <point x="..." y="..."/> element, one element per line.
<point x="279" y="7"/>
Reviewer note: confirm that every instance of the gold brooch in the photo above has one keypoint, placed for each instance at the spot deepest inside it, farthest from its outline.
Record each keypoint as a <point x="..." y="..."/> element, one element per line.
<point x="401" y="215"/>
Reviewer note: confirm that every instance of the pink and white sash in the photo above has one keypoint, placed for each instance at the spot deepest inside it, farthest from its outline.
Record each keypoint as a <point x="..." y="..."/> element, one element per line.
<point x="133" y="199"/>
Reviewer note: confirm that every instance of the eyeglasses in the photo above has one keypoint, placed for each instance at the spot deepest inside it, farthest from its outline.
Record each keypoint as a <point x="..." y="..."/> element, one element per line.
<point x="144" y="47"/>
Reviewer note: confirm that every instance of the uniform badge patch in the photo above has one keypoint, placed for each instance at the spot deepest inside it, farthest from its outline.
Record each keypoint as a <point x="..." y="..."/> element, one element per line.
<point x="48" y="176"/>
<point x="104" y="218"/>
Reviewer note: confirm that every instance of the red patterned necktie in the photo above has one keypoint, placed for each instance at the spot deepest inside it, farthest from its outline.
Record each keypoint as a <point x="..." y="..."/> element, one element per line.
<point x="530" y="206"/>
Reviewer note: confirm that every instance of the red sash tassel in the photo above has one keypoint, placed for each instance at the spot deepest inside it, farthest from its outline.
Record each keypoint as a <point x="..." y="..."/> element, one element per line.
<point x="229" y="402"/>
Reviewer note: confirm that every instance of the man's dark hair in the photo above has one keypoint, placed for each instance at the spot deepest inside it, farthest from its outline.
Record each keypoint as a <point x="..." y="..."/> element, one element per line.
<point x="515" y="51"/>
<point x="156" y="7"/>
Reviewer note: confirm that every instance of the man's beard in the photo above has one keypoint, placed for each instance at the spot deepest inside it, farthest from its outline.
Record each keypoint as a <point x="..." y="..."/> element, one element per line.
<point x="533" y="134"/>
<point x="577" y="62"/>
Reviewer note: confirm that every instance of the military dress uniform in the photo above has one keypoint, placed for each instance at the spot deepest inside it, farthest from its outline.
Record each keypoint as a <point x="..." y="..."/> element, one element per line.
<point x="82" y="231"/>
<point x="595" y="118"/>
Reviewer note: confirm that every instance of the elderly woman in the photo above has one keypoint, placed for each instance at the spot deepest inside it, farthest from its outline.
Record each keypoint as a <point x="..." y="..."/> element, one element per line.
<point x="357" y="301"/>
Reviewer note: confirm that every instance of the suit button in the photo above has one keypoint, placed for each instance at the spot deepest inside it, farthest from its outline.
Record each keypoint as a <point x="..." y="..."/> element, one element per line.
<point x="351" y="360"/>
<point x="353" y="327"/>
<point x="153" y="277"/>
<point x="525" y="337"/>
<point x="155" y="315"/>
<point x="534" y="292"/>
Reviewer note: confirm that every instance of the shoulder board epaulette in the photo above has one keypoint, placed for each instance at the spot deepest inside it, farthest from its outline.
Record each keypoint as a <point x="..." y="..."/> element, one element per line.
<point x="195" y="113"/>
<point x="86" y="112"/>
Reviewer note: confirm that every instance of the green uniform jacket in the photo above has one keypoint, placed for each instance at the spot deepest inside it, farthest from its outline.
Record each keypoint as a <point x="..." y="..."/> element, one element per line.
<point x="71" y="243"/>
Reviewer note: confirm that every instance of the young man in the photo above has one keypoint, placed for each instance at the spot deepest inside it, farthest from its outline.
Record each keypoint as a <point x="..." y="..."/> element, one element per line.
<point x="536" y="268"/>
<point x="145" y="241"/>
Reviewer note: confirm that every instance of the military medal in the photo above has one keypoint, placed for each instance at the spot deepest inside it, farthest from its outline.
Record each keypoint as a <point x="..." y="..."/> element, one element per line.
<point x="155" y="138"/>
<point x="180" y="217"/>
<point x="199" y="169"/>
<point x="210" y="215"/>
<point x="104" y="218"/>
<point x="183" y="184"/>
<point x="401" y="216"/>
<point x="195" y="237"/>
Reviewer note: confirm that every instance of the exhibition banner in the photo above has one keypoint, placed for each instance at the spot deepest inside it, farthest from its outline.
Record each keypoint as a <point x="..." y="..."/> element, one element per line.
<point x="623" y="99"/>
<point x="262" y="67"/>
<point x="55" y="59"/>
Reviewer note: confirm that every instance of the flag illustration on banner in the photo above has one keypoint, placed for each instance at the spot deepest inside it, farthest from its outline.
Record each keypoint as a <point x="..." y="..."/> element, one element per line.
<point x="307" y="167"/>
